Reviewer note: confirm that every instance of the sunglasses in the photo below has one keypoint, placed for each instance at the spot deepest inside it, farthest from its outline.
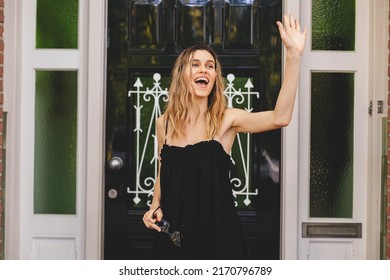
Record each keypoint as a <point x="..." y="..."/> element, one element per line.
<point x="164" y="225"/>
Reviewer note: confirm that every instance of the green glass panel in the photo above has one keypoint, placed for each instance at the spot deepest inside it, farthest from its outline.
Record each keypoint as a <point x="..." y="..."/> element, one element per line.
<point x="333" y="25"/>
<point x="57" y="24"/>
<point x="55" y="142"/>
<point x="331" y="145"/>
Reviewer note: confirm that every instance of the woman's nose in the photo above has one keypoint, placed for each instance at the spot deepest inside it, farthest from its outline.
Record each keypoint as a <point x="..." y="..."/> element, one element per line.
<point x="202" y="69"/>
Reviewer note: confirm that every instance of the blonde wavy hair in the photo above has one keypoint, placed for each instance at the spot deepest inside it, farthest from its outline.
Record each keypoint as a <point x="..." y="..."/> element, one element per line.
<point x="180" y="102"/>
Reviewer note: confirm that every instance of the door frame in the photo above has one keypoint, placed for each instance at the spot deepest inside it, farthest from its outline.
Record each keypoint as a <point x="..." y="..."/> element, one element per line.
<point x="355" y="62"/>
<point x="96" y="129"/>
<point x="27" y="233"/>
<point x="378" y="87"/>
<point x="289" y="167"/>
<point x="375" y="88"/>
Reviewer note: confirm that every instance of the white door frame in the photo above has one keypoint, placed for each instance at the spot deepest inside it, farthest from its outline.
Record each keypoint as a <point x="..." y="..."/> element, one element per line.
<point x="289" y="169"/>
<point x="28" y="235"/>
<point x="96" y="128"/>
<point x="355" y="62"/>
<point x="12" y="205"/>
<point x="367" y="201"/>
<point x="378" y="88"/>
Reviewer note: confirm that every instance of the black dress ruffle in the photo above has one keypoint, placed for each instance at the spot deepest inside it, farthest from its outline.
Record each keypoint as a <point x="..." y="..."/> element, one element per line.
<point x="197" y="201"/>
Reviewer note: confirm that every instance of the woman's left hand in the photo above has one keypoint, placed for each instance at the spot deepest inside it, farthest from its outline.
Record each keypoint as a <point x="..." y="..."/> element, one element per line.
<point x="292" y="36"/>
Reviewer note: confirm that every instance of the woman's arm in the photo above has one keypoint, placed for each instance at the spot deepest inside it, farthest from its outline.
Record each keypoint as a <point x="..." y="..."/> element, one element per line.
<point x="294" y="41"/>
<point x="152" y="216"/>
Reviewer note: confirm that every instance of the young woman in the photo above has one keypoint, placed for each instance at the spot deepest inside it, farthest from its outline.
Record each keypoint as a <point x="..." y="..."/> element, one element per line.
<point x="192" y="206"/>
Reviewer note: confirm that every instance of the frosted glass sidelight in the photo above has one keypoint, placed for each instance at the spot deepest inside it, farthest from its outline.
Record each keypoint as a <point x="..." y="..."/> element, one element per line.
<point x="331" y="145"/>
<point x="57" y="24"/>
<point x="333" y="25"/>
<point x="55" y="142"/>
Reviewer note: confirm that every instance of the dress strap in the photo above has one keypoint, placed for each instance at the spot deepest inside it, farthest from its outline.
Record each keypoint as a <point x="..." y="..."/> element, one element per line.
<point x="166" y="131"/>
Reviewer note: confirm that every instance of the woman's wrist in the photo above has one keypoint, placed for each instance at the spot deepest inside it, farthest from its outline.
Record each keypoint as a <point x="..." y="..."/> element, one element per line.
<point x="294" y="55"/>
<point x="154" y="206"/>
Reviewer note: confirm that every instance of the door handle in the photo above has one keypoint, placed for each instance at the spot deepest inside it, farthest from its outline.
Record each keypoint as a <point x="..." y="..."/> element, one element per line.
<point x="115" y="163"/>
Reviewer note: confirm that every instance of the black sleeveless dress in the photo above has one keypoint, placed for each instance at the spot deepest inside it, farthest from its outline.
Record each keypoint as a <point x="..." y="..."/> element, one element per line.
<point x="197" y="201"/>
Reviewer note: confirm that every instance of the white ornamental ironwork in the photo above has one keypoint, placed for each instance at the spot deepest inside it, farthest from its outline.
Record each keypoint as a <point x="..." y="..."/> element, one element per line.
<point x="146" y="141"/>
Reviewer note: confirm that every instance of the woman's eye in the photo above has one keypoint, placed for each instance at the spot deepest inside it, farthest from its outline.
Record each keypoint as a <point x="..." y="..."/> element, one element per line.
<point x="210" y="66"/>
<point x="195" y="64"/>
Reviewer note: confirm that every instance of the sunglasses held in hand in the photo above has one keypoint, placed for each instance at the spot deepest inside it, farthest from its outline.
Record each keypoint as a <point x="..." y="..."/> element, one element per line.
<point x="164" y="226"/>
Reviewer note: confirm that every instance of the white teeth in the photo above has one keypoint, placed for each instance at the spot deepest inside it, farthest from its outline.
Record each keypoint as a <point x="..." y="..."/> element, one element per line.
<point x="203" y="80"/>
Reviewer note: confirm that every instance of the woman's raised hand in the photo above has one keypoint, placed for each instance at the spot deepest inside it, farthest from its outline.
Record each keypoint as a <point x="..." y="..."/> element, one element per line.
<point x="292" y="36"/>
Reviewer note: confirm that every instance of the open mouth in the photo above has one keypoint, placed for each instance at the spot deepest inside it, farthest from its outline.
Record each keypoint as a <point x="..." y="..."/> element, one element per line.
<point x="202" y="81"/>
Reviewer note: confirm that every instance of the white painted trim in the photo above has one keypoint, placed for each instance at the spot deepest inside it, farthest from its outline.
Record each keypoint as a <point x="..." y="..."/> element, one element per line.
<point x="96" y="129"/>
<point x="378" y="80"/>
<point x="289" y="176"/>
<point x="25" y="158"/>
<point x="11" y="97"/>
<point x="361" y="153"/>
<point x="81" y="60"/>
<point x="48" y="59"/>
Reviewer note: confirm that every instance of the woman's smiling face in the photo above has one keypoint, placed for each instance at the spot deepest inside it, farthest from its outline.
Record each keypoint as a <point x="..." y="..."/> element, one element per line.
<point x="201" y="73"/>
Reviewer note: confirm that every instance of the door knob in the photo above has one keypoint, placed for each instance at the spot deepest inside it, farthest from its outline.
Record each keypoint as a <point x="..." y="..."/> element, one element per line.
<point x="115" y="163"/>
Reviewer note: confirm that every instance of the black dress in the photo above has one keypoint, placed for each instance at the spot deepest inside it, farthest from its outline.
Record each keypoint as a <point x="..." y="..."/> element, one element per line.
<point x="197" y="201"/>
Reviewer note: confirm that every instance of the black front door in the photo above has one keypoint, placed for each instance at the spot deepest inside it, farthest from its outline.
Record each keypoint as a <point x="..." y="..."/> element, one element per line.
<point x="144" y="39"/>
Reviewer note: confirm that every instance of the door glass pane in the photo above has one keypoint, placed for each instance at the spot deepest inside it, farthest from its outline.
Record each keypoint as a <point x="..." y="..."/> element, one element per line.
<point x="242" y="24"/>
<point x="331" y="145"/>
<point x="194" y="22"/>
<point x="146" y="24"/>
<point x="55" y="142"/>
<point x="333" y="25"/>
<point x="57" y="24"/>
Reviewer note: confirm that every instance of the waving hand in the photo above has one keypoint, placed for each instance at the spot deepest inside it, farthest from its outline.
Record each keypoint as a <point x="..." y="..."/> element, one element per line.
<point x="292" y="36"/>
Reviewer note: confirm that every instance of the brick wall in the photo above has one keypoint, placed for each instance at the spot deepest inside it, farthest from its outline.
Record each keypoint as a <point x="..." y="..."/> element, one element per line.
<point x="1" y="127"/>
